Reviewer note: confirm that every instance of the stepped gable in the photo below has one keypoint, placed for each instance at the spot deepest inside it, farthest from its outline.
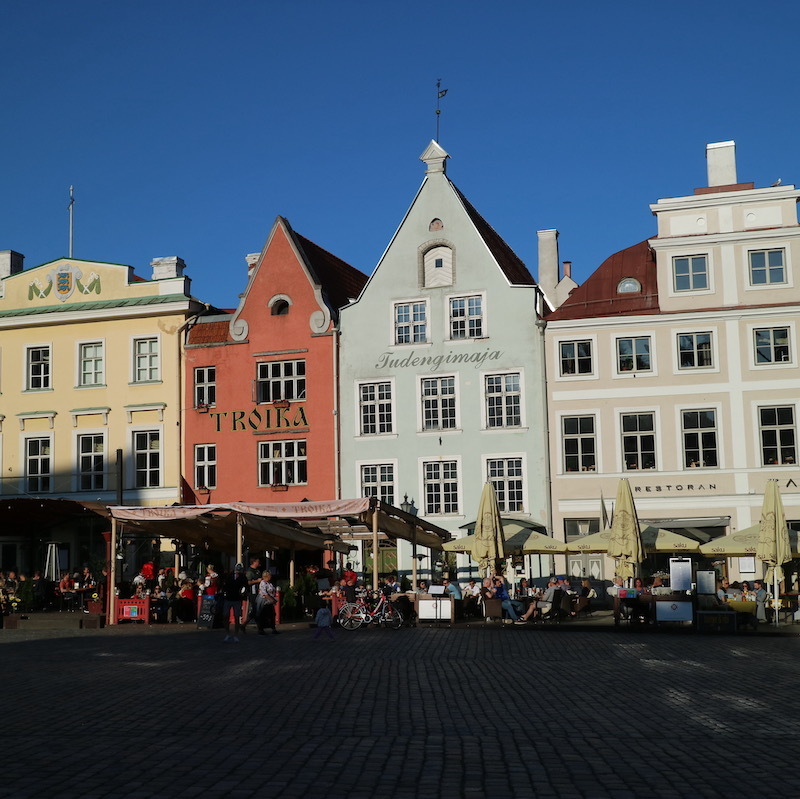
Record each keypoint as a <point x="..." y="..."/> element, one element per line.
<point x="598" y="296"/>
<point x="340" y="282"/>
<point x="513" y="267"/>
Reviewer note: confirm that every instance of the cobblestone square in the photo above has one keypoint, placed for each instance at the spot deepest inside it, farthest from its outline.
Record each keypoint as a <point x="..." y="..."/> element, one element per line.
<point x="427" y="712"/>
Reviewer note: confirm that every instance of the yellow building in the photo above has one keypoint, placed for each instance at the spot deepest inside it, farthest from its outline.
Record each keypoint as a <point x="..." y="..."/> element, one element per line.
<point x="90" y="399"/>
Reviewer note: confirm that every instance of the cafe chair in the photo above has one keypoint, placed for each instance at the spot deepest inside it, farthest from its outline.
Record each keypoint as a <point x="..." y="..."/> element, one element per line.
<point x="555" y="612"/>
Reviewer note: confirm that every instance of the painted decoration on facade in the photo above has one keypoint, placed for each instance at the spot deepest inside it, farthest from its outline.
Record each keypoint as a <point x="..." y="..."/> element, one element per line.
<point x="64" y="280"/>
<point x="386" y="361"/>
<point x="267" y="419"/>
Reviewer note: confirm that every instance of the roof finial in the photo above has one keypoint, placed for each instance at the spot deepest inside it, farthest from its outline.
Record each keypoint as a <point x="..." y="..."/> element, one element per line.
<point x="69" y="208"/>
<point x="440" y="92"/>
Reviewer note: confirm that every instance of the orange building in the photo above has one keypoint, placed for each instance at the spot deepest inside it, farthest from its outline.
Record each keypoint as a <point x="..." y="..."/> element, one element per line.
<point x="262" y="381"/>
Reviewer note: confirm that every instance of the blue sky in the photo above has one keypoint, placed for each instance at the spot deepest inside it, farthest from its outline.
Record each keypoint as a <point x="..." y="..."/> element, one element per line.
<point x="187" y="127"/>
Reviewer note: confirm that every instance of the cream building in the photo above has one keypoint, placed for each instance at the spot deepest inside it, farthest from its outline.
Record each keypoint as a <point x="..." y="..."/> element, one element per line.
<point x="89" y="368"/>
<point x="676" y="365"/>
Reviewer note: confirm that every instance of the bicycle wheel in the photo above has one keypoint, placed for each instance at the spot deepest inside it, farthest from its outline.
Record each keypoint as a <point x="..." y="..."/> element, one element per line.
<point x="392" y="618"/>
<point x="350" y="617"/>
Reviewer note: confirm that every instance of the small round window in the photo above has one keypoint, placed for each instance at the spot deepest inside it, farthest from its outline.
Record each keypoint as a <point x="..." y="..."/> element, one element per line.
<point x="629" y="285"/>
<point x="280" y="308"/>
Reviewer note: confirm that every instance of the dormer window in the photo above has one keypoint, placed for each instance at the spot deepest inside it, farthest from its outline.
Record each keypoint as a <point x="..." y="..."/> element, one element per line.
<point x="279" y="305"/>
<point x="629" y="285"/>
<point x="438" y="267"/>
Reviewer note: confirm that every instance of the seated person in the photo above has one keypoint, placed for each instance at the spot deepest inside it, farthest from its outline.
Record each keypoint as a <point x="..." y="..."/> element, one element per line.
<point x="543" y="605"/>
<point x="422" y="587"/>
<point x="471" y="593"/>
<point x="510" y="606"/>
<point x="451" y="588"/>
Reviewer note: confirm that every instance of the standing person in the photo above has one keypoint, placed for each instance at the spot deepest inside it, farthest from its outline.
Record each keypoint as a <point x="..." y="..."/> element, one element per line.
<point x="349" y="574"/>
<point x="253" y="575"/>
<point x="267" y="599"/>
<point x="324" y="620"/>
<point x="234" y="591"/>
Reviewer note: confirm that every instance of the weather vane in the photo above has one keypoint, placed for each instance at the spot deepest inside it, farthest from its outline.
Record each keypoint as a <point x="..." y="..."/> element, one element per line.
<point x="440" y="92"/>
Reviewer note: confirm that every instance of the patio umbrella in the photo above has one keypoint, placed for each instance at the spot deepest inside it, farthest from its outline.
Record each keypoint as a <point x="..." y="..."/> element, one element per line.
<point x="521" y="542"/>
<point x="625" y="545"/>
<point x="488" y="544"/>
<point x="742" y="543"/>
<point x="774" y="548"/>
<point x="654" y="539"/>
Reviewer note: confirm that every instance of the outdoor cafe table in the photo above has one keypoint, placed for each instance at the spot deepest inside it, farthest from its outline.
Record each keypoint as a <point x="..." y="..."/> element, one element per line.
<point x="742" y="605"/>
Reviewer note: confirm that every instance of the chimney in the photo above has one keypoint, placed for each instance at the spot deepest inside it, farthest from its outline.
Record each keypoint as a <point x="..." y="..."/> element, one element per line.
<point x="548" y="259"/>
<point x="252" y="260"/>
<point x="567" y="268"/>
<point x="721" y="162"/>
<point x="169" y="266"/>
<point x="10" y="263"/>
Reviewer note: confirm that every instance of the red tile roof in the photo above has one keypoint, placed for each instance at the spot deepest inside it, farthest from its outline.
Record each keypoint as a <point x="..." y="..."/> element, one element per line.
<point x="598" y="296"/>
<point x="209" y="332"/>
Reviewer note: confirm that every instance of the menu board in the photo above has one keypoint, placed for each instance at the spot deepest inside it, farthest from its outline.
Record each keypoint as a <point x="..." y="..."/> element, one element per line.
<point x="706" y="581"/>
<point x="680" y="574"/>
<point x="205" y="618"/>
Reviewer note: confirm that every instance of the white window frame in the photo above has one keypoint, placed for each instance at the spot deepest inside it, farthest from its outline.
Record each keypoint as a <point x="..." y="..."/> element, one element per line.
<point x="205" y="389"/>
<point x="46" y="375"/>
<point x="505" y="480"/>
<point x="634" y="336"/>
<point x="411" y="323"/>
<point x="711" y="349"/>
<point x="449" y="462"/>
<point x="638" y="433"/>
<point x="148" y="362"/>
<point x="44" y="480"/>
<point x="562" y="439"/>
<point x="291" y="464"/>
<point x="79" y="456"/>
<point x="279" y="382"/>
<point x="205" y="466"/>
<point x="438" y="398"/>
<point x="450" y="299"/>
<point x="503" y="394"/>
<point x="781" y="459"/>
<point x="135" y="432"/>
<point x="768" y="283"/>
<point x="384" y="487"/>
<point x="706" y="407"/>
<point x="790" y="343"/>
<point x="81" y="359"/>
<point x="708" y="288"/>
<point x="575" y="342"/>
<point x="359" y="403"/>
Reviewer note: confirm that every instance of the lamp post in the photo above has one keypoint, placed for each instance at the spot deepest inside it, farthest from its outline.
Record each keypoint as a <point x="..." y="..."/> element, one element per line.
<point x="409" y="509"/>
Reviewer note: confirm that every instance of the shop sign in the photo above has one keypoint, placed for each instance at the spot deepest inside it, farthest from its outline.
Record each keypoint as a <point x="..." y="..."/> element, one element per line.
<point x="264" y="419"/>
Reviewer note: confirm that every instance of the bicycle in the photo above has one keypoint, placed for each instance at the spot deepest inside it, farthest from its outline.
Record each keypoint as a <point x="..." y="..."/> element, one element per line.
<point x="353" y="614"/>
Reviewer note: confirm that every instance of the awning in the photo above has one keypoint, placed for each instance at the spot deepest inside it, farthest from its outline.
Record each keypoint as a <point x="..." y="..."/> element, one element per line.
<point x="275" y="525"/>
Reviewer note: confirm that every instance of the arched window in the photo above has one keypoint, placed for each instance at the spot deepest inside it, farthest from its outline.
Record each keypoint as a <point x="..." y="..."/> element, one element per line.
<point x="629" y="285"/>
<point x="438" y="267"/>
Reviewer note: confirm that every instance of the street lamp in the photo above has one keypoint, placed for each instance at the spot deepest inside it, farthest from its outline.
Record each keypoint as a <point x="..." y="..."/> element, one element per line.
<point x="410" y="511"/>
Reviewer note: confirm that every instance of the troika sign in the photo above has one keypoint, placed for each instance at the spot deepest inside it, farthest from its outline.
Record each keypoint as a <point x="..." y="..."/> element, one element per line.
<point x="386" y="361"/>
<point x="265" y="420"/>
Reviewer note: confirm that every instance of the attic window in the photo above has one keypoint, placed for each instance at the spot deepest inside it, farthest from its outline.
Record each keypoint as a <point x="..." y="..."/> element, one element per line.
<point x="438" y="267"/>
<point x="436" y="224"/>
<point x="279" y="305"/>
<point x="629" y="285"/>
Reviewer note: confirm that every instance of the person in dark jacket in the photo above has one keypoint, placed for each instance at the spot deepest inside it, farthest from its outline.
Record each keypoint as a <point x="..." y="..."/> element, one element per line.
<point x="234" y="591"/>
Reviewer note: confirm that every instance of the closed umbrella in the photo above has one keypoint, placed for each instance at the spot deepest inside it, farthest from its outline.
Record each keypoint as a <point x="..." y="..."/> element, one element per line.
<point x="774" y="547"/>
<point x="625" y="545"/>
<point x="488" y="545"/>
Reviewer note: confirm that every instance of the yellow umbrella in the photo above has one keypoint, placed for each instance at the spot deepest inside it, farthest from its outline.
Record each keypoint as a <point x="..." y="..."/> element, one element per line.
<point x="742" y="543"/>
<point x="488" y="544"/>
<point x="625" y="545"/>
<point x="774" y="547"/>
<point x="521" y="542"/>
<point x="654" y="539"/>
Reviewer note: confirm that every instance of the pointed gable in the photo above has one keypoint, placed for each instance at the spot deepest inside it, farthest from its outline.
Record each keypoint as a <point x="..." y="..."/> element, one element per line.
<point x="610" y="290"/>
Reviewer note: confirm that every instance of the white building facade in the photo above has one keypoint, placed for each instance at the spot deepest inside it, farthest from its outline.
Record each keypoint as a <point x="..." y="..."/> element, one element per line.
<point x="442" y="381"/>
<point x="676" y="365"/>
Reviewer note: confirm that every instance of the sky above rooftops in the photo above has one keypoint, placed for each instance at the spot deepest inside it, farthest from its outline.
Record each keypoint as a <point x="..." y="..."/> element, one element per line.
<point x="186" y="127"/>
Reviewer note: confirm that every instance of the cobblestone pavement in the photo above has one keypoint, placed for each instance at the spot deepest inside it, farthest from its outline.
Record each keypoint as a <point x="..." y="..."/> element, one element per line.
<point x="451" y="712"/>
